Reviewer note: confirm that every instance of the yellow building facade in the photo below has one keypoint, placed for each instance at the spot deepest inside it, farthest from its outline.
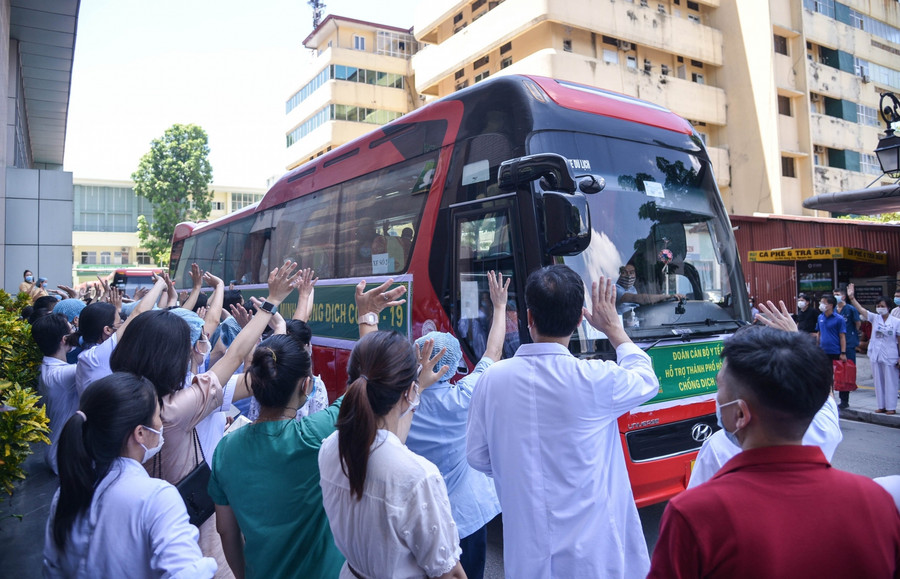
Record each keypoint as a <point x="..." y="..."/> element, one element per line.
<point x="104" y="236"/>
<point x="358" y="77"/>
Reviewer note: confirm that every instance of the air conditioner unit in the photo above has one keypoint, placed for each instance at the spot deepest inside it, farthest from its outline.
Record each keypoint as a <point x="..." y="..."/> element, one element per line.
<point x="815" y="97"/>
<point x="819" y="150"/>
<point x="625" y="45"/>
<point x="864" y="78"/>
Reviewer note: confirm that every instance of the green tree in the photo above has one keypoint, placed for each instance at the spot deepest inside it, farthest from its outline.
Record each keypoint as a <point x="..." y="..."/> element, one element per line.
<point x="174" y="176"/>
<point x="882" y="218"/>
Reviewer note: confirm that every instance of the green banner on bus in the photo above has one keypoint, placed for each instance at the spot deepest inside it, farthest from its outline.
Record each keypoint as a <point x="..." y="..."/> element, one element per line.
<point x="686" y="370"/>
<point x="334" y="313"/>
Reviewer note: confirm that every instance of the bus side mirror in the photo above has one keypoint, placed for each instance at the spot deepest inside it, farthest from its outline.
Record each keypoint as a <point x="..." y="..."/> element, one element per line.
<point x="552" y="168"/>
<point x="567" y="223"/>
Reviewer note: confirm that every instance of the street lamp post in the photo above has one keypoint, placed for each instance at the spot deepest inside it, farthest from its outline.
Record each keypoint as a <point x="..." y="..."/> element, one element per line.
<point x="888" y="150"/>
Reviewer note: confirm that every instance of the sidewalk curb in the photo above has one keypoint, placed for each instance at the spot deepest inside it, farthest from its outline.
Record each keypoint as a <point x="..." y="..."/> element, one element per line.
<point x="892" y="421"/>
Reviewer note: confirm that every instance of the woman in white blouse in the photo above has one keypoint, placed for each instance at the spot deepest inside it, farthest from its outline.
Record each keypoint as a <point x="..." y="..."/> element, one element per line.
<point x="387" y="507"/>
<point x="883" y="352"/>
<point x="109" y="518"/>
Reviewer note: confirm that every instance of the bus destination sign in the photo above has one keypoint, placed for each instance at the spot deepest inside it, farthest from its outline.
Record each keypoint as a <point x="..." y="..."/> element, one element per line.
<point x="334" y="313"/>
<point x="686" y="370"/>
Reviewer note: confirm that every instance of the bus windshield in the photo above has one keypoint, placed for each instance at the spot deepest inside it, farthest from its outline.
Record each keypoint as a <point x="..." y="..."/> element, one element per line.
<point x="659" y="230"/>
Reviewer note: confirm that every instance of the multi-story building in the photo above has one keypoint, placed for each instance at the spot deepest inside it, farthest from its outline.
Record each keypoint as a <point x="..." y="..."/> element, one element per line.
<point x="358" y="77"/>
<point x="37" y="44"/>
<point x="105" y="236"/>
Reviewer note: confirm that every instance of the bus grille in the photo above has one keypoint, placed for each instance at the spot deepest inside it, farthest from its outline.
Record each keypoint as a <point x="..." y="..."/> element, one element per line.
<point x="669" y="439"/>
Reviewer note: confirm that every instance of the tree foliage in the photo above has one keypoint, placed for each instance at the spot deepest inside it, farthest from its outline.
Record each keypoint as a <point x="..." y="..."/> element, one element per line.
<point x="882" y="218"/>
<point x="174" y="175"/>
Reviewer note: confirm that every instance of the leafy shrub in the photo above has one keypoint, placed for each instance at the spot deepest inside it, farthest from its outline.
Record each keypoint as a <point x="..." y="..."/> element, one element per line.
<point x="20" y="361"/>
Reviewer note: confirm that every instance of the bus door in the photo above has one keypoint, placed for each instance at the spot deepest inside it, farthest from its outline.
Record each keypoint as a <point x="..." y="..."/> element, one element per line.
<point x="486" y="238"/>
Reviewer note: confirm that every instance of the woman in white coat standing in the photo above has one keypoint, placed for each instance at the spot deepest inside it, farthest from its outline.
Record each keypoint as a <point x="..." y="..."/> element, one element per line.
<point x="883" y="352"/>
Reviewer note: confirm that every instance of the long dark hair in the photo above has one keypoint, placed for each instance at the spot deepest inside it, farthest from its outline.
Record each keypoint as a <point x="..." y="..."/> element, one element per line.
<point x="93" y="318"/>
<point x="382" y="367"/>
<point x="157" y="346"/>
<point x="113" y="405"/>
<point x="278" y="363"/>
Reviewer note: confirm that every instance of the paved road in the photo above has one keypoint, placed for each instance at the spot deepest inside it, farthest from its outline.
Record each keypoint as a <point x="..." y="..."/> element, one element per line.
<point x="867" y="449"/>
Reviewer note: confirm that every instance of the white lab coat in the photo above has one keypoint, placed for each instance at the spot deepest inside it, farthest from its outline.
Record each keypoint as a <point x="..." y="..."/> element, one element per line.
<point x="824" y="431"/>
<point x="57" y="385"/>
<point x="136" y="527"/>
<point x="93" y="364"/>
<point x="544" y="425"/>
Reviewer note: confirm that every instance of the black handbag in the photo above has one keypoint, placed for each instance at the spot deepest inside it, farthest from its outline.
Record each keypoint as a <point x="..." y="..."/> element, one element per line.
<point x="193" y="488"/>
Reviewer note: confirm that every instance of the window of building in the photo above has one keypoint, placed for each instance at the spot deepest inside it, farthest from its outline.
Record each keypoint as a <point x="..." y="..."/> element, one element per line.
<point x="120" y="257"/>
<point x="693" y="6"/>
<point x="459" y="74"/>
<point x="610" y="56"/>
<point x="482" y="76"/>
<point x="648" y="66"/>
<point x="869" y="164"/>
<point x="681" y="72"/>
<point x="458" y="18"/>
<point x="88" y="257"/>
<point x="694" y="18"/>
<point x="567" y="45"/>
<point x="105" y="258"/>
<point x="241" y="200"/>
<point x="787" y="167"/>
<point x="825" y="7"/>
<point x="644" y="3"/>
<point x="661" y="8"/>
<point x="698" y="78"/>
<point x="784" y="106"/>
<point x="359" y="42"/>
<point x="478" y="4"/>
<point x="697" y="63"/>
<point x="875" y="27"/>
<point x="506" y="62"/>
<point x="217" y="205"/>
<point x="143" y="258"/>
<point x="631" y="61"/>
<point x="703" y="137"/>
<point x="781" y="45"/>
<point x="104" y="208"/>
<point x="664" y="69"/>
<point x="481" y="61"/>
<point x="308" y="88"/>
<point x="679" y="58"/>
<point x="462" y="85"/>
<point x="396" y="44"/>
<point x="867" y="116"/>
<point x="506" y="48"/>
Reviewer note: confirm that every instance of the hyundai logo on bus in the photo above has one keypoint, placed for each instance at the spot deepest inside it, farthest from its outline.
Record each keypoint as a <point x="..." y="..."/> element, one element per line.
<point x="701" y="431"/>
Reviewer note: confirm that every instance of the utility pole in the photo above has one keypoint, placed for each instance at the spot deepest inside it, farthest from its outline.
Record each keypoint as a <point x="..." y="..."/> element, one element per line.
<point x="318" y="8"/>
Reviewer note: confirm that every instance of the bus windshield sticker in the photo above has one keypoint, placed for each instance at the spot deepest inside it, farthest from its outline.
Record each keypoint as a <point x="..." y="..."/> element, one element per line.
<point x="654" y="189"/>
<point x="382" y="263"/>
<point x="580" y="164"/>
<point x="468" y="299"/>
<point x="589" y="332"/>
<point x="477" y="172"/>
<point x="423" y="183"/>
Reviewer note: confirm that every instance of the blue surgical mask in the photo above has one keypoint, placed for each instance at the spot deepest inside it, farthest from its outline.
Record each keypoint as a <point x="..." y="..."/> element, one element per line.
<point x="731" y="436"/>
<point x="897" y="301"/>
<point x="29" y="278"/>
<point x="839" y="299"/>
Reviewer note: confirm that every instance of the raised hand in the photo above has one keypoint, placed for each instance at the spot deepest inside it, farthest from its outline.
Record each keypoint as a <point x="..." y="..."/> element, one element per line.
<point x="499" y="290"/>
<point x="196" y="276"/>
<point x="772" y="317"/>
<point x="241" y="315"/>
<point x="603" y="314"/>
<point x="281" y="280"/>
<point x="427" y="375"/>
<point x="378" y="298"/>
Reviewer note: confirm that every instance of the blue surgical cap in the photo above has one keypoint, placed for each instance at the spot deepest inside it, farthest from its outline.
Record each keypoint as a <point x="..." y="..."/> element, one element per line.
<point x="450" y="358"/>
<point x="194" y="321"/>
<point x="71" y="308"/>
<point x="227" y="330"/>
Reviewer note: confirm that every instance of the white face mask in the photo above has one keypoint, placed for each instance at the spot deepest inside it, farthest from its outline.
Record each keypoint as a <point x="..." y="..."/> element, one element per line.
<point x="151" y="452"/>
<point x="414" y="403"/>
<point x="801" y="304"/>
<point x="881" y="311"/>
<point x="822" y="308"/>
<point x="731" y="436"/>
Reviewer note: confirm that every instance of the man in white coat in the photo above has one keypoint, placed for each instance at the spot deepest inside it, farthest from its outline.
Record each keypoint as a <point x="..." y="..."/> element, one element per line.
<point x="543" y="424"/>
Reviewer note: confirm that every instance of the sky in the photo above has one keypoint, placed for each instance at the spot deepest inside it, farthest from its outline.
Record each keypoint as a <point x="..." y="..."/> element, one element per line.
<point x="226" y="65"/>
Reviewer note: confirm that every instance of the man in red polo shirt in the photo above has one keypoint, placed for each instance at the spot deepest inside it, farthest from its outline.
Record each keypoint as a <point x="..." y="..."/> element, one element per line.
<point x="777" y="509"/>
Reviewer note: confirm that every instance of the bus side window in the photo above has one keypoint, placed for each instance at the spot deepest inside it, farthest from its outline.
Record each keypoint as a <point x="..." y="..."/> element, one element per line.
<point x="238" y="233"/>
<point x="484" y="245"/>
<point x="305" y="229"/>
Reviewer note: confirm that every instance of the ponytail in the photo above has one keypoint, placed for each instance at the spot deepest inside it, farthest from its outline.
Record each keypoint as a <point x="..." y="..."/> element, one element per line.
<point x="382" y="367"/>
<point x="357" y="428"/>
<point x="279" y="362"/>
<point x="93" y="438"/>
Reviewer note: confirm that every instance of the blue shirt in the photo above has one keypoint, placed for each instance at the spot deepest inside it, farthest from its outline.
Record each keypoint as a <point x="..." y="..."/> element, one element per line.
<point x="438" y="433"/>
<point x="830" y="329"/>
<point x="851" y="316"/>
